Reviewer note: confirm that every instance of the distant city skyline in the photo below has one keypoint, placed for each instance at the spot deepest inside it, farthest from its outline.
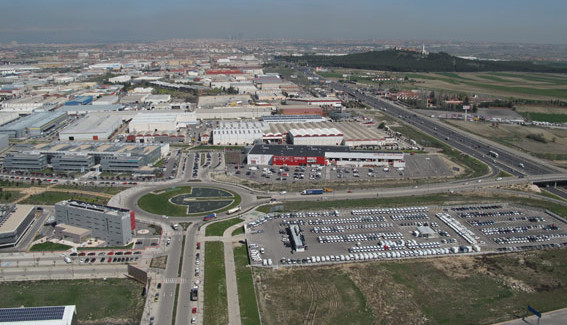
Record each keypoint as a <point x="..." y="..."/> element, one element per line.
<point x="67" y="21"/>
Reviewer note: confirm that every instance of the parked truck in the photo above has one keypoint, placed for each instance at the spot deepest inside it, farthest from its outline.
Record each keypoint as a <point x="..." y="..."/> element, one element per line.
<point x="210" y="217"/>
<point x="312" y="192"/>
<point x="234" y="210"/>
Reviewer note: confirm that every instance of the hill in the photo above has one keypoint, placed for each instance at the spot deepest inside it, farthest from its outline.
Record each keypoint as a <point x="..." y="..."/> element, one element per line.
<point x="408" y="61"/>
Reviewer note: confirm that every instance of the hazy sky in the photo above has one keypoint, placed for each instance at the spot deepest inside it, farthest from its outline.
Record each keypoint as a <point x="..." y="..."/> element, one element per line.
<point x="527" y="21"/>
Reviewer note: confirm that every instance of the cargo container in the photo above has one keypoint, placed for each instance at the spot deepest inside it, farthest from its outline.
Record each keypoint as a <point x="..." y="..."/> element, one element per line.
<point x="312" y="192"/>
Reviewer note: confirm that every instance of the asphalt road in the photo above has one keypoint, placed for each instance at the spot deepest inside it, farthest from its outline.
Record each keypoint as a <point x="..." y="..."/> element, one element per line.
<point x="184" y="304"/>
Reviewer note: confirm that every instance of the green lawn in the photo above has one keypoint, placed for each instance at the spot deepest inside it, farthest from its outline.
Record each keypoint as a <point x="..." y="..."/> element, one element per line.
<point x="49" y="246"/>
<point x="158" y="202"/>
<point x="97" y="189"/>
<point x="10" y="196"/>
<point x="238" y="231"/>
<point x="111" y="301"/>
<point x="50" y="198"/>
<point x="264" y="208"/>
<point x="218" y="228"/>
<point x="216" y="305"/>
<point x="545" y="117"/>
<point x="246" y="294"/>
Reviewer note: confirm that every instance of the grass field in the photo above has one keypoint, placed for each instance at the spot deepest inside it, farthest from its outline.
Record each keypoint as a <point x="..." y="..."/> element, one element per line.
<point x="111" y="301"/>
<point x="246" y="295"/>
<point x="10" y="196"/>
<point x="452" y="290"/>
<point x="158" y="202"/>
<point x="238" y="231"/>
<point x="216" y="305"/>
<point x="51" y="197"/>
<point x="218" y="228"/>
<point x="49" y="246"/>
<point x="544" y="117"/>
<point x="97" y="189"/>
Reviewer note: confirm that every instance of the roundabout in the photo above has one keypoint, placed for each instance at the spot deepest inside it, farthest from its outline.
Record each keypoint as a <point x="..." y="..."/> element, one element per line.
<point x="185" y="201"/>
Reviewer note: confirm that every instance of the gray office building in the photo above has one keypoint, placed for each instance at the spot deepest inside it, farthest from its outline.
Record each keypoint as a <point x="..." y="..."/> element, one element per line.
<point x="79" y="163"/>
<point x="36" y="124"/>
<point x="4" y="141"/>
<point x="113" y="225"/>
<point x="14" y="221"/>
<point x="25" y="161"/>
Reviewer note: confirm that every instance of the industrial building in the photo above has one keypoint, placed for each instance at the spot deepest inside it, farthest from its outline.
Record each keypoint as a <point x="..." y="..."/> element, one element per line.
<point x="80" y="100"/>
<point x="249" y="112"/>
<point x="160" y="121"/>
<point x="70" y="156"/>
<point x="300" y="110"/>
<point x="291" y="155"/>
<point x="238" y="132"/>
<point x="106" y="100"/>
<point x="222" y="100"/>
<point x="36" y="124"/>
<point x="317" y="101"/>
<point x="52" y="315"/>
<point x="91" y="127"/>
<point x="113" y="225"/>
<point x="14" y="222"/>
<point x="316" y="137"/>
<point x="84" y="109"/>
<point x="4" y="143"/>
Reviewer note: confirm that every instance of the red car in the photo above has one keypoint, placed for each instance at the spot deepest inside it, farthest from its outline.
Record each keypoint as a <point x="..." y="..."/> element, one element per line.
<point x="110" y="253"/>
<point x="194" y="310"/>
<point x="198" y="245"/>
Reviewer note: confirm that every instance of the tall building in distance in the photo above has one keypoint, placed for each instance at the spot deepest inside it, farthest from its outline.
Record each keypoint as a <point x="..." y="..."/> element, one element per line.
<point x="113" y="225"/>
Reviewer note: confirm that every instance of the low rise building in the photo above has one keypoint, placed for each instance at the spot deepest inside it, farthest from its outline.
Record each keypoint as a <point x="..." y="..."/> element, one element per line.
<point x="25" y="161"/>
<point x="36" y="124"/>
<point x="91" y="127"/>
<point x="52" y="315"/>
<point x="113" y="225"/>
<point x="75" y="234"/>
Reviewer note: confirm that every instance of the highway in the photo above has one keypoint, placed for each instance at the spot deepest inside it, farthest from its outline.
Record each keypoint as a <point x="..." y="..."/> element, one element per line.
<point x="509" y="160"/>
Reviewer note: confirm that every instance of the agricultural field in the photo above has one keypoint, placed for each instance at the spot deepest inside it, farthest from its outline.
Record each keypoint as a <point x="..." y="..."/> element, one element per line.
<point x="551" y="145"/>
<point x="537" y="86"/>
<point x="472" y="290"/>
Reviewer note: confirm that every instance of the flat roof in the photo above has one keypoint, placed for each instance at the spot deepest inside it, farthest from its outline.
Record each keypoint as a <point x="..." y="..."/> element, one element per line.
<point x="14" y="219"/>
<point x="93" y="207"/>
<point x="86" y="147"/>
<point x="308" y="151"/>
<point x="90" y="108"/>
<point x="52" y="315"/>
<point x="93" y="124"/>
<point x="35" y="120"/>
<point x="73" y="229"/>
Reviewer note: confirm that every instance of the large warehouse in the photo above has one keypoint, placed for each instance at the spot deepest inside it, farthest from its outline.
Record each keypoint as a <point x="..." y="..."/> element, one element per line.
<point x="91" y="127"/>
<point x="36" y="124"/>
<point x="152" y="122"/>
<point x="316" y="137"/>
<point x="292" y="155"/>
<point x="238" y="132"/>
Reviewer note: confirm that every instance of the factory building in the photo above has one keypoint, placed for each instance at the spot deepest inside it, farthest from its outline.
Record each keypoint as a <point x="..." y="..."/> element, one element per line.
<point x="316" y="137"/>
<point x="290" y="155"/>
<point x="238" y="133"/>
<point x="156" y="137"/>
<point x="300" y="110"/>
<point x="4" y="142"/>
<point x="25" y="161"/>
<point x="36" y="124"/>
<point x="84" y="109"/>
<point x="113" y="225"/>
<point x="91" y="127"/>
<point x="80" y="100"/>
<point x="106" y="100"/>
<point x="154" y="122"/>
<point x="14" y="222"/>
<point x="317" y="101"/>
<point x="157" y="99"/>
<point x="250" y="112"/>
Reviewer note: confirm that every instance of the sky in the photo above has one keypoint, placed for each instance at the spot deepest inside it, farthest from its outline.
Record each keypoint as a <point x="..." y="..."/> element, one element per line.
<point x="86" y="21"/>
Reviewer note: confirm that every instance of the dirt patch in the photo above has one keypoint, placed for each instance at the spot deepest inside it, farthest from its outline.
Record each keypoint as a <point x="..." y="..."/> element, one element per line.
<point x="159" y="262"/>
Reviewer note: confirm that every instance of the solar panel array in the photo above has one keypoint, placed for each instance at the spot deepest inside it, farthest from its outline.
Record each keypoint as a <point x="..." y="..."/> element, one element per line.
<point x="31" y="314"/>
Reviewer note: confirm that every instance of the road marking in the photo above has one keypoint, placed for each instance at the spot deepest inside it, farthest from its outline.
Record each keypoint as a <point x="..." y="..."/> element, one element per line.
<point x="174" y="280"/>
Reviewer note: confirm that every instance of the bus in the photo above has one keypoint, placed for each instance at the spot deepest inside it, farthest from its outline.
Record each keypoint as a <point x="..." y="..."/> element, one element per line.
<point x="209" y="217"/>
<point x="493" y="154"/>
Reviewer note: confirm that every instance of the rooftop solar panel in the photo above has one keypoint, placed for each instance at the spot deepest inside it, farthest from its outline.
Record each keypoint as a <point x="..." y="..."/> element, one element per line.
<point x="31" y="314"/>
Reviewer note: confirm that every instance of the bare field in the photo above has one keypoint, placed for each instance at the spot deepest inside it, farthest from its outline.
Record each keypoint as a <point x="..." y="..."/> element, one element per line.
<point x="516" y="136"/>
<point x="541" y="109"/>
<point x="451" y="290"/>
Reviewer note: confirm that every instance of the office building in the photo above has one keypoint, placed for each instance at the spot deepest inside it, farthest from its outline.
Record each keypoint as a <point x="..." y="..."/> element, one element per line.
<point x="113" y="225"/>
<point x="14" y="222"/>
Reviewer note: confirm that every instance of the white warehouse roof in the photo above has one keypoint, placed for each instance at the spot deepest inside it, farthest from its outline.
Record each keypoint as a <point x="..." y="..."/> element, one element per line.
<point x="324" y="132"/>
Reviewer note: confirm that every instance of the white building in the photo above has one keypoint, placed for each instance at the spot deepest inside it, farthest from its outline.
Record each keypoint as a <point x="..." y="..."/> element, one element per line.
<point x="239" y="132"/>
<point x="119" y="79"/>
<point x="316" y="137"/>
<point x="150" y="122"/>
<point x="106" y="100"/>
<point x="91" y="127"/>
<point x="157" y="99"/>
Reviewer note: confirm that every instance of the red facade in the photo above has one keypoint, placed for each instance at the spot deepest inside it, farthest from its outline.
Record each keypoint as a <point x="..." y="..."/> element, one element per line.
<point x="297" y="161"/>
<point x="133" y="220"/>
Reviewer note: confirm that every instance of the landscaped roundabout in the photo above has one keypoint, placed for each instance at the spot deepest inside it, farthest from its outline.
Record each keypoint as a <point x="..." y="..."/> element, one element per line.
<point x="186" y="201"/>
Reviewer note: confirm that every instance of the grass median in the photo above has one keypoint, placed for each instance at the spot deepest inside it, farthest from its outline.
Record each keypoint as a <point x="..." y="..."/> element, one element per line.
<point x="246" y="294"/>
<point x="49" y="247"/>
<point x="216" y="304"/>
<point x="218" y="228"/>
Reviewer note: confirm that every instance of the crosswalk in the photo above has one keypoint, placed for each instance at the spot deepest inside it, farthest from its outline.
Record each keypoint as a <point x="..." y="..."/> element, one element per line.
<point x="175" y="280"/>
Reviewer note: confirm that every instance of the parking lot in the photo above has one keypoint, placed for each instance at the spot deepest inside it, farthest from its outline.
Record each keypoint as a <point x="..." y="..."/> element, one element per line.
<point x="419" y="166"/>
<point x="385" y="233"/>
